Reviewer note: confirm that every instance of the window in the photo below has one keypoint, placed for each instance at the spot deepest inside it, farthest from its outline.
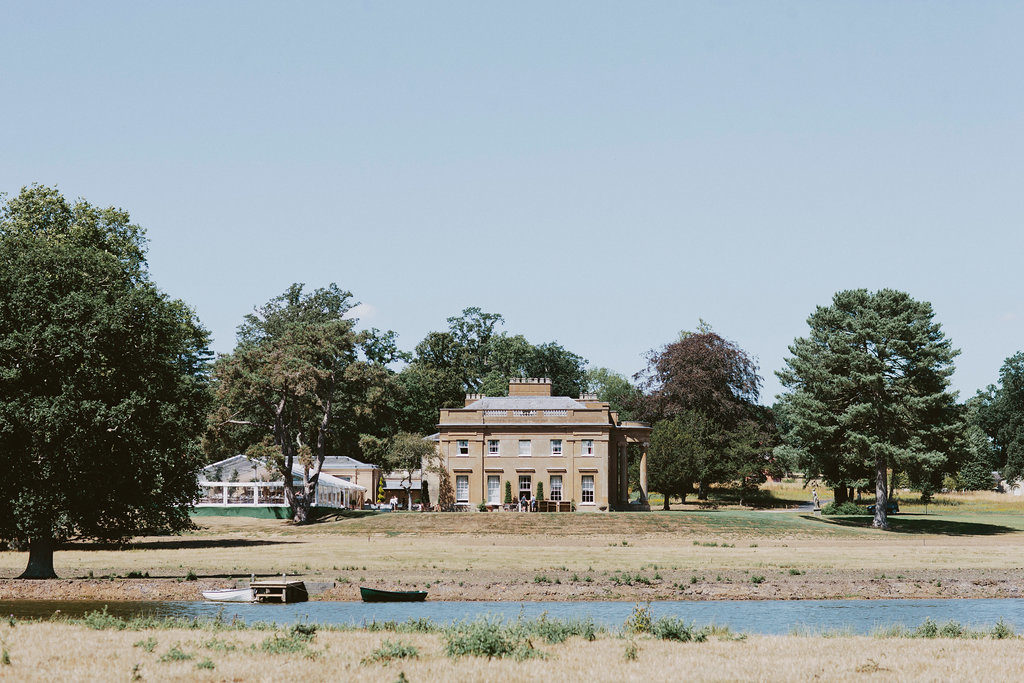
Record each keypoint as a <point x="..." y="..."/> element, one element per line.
<point x="556" y="487"/>
<point x="524" y="447"/>
<point x="463" y="446"/>
<point x="588" y="446"/>
<point x="587" y="488"/>
<point x="556" y="446"/>
<point x="493" y="489"/>
<point x="462" y="488"/>
<point x="524" y="486"/>
<point x="492" y="447"/>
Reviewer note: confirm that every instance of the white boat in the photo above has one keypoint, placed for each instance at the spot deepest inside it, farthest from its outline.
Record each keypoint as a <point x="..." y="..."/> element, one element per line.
<point x="230" y="595"/>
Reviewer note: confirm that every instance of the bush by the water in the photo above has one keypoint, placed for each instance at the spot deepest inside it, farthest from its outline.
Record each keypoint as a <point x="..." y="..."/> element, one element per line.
<point x="847" y="508"/>
<point x="491" y="638"/>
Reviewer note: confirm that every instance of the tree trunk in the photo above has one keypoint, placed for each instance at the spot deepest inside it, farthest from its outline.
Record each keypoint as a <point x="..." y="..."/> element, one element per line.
<point x="881" y="493"/>
<point x="300" y="510"/>
<point x="40" y="560"/>
<point x="664" y="504"/>
<point x="702" y="491"/>
<point x="839" y="493"/>
<point x="892" y="483"/>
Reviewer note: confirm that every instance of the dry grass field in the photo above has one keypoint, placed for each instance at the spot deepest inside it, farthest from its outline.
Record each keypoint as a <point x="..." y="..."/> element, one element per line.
<point x="53" y="651"/>
<point x="966" y="546"/>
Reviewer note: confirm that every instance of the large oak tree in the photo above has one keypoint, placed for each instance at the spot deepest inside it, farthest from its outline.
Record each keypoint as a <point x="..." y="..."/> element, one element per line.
<point x="103" y="381"/>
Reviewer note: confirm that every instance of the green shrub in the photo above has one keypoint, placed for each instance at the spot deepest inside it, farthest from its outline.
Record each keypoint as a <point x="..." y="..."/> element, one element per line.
<point x="554" y="631"/>
<point x="927" y="629"/>
<point x="389" y="651"/>
<point x="296" y="641"/>
<point x="191" y="576"/>
<point x="847" y="508"/>
<point x="671" y="628"/>
<point x="149" y="644"/>
<point x="488" y="637"/>
<point x="756" y="579"/>
<point x="639" y="621"/>
<point x="205" y="663"/>
<point x="175" y="654"/>
<point x="1002" y="630"/>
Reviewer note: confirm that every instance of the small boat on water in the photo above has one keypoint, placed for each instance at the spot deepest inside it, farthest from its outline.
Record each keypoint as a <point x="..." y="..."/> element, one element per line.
<point x="375" y="595"/>
<point x="230" y="595"/>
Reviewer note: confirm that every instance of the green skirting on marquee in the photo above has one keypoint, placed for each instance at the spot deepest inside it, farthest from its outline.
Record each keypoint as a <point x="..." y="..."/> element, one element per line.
<point x="261" y="511"/>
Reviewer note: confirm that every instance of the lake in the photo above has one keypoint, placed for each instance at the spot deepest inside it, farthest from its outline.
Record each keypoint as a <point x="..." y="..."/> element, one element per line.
<point x="748" y="616"/>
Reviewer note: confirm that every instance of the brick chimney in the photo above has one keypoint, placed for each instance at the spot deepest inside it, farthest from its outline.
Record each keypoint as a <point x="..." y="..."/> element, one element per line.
<point x="471" y="398"/>
<point x="529" y="386"/>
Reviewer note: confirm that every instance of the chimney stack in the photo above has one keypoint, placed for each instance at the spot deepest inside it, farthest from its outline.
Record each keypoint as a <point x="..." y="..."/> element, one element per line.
<point x="529" y="386"/>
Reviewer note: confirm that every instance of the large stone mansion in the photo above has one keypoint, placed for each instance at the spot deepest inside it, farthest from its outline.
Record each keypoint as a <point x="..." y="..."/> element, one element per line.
<point x="576" y="448"/>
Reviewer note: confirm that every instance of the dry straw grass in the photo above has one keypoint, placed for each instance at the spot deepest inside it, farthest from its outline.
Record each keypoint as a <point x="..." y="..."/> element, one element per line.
<point x="49" y="651"/>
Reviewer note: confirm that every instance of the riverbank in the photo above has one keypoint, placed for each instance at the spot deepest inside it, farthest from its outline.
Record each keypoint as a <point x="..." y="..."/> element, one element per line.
<point x="111" y="650"/>
<point x="555" y="585"/>
<point x="692" y="555"/>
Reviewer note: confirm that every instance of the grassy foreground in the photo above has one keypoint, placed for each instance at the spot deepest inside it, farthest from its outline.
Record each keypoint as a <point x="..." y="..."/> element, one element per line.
<point x="971" y="545"/>
<point x="102" y="648"/>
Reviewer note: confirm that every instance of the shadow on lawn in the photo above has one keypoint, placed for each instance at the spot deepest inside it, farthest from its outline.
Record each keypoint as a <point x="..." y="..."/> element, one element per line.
<point x="176" y="544"/>
<point x="915" y="525"/>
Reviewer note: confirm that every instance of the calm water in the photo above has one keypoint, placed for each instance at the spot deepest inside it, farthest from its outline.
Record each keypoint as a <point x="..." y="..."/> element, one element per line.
<point x="750" y="616"/>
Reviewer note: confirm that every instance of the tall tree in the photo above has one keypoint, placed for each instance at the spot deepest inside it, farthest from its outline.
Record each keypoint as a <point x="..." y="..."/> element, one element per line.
<point x="868" y="389"/>
<point x="612" y="387"/>
<point x="682" y="447"/>
<point x="1001" y="416"/>
<point x="301" y="383"/>
<point x="701" y="373"/>
<point x="103" y="381"/>
<point x="473" y="356"/>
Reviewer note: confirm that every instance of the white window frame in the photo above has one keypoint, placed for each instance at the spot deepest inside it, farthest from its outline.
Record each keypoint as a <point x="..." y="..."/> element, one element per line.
<point x="584" y="491"/>
<point x="495" y="445"/>
<point x="559" y="451"/>
<point x="462" y="479"/>
<point x="496" y="498"/>
<point x="529" y="447"/>
<point x="462" y="445"/>
<point x="555" y="490"/>
<point x="587" y="447"/>
<point x="528" y="490"/>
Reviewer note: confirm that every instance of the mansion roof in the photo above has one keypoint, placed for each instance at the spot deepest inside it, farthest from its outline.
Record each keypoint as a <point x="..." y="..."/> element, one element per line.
<point x="526" y="403"/>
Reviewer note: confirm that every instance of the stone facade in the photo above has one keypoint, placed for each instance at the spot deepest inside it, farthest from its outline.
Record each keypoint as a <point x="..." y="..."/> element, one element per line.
<point x="575" y="448"/>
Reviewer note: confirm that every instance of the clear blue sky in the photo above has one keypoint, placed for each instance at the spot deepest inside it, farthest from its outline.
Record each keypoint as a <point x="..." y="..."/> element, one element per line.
<point x="603" y="174"/>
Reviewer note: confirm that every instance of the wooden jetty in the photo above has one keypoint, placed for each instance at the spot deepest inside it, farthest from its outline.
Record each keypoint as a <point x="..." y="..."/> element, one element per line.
<point x="279" y="590"/>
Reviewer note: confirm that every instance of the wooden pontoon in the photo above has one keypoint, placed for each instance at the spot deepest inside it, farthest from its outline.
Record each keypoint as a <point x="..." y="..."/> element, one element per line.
<point x="279" y="590"/>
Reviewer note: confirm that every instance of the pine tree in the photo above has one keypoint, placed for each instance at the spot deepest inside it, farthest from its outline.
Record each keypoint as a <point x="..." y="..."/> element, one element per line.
<point x="868" y="389"/>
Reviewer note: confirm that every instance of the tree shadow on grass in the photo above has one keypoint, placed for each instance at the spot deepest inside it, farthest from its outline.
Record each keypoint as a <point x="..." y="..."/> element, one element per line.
<point x="916" y="525"/>
<point x="175" y="544"/>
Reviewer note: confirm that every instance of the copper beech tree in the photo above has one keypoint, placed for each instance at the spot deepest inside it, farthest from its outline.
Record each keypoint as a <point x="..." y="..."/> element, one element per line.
<point x="701" y="392"/>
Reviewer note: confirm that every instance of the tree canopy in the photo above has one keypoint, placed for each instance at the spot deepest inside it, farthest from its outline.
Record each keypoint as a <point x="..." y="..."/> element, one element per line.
<point x="302" y="383"/>
<point x="1001" y="416"/>
<point x="868" y="389"/>
<point x="706" y="388"/>
<point x="473" y="356"/>
<point x="103" y="381"/>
